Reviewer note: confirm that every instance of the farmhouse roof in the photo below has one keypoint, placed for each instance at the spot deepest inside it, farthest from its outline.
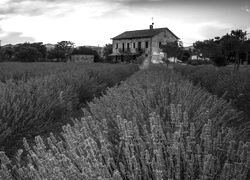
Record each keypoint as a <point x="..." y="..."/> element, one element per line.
<point x="142" y="33"/>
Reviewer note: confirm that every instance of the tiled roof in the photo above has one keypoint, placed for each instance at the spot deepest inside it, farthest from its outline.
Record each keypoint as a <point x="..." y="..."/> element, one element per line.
<point x="142" y="33"/>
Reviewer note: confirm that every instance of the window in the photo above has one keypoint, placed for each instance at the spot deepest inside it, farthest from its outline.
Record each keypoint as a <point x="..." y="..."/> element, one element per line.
<point x="116" y="46"/>
<point x="134" y="45"/>
<point x="146" y="44"/>
<point x="127" y="45"/>
<point x="159" y="44"/>
<point x="123" y="46"/>
<point x="139" y="45"/>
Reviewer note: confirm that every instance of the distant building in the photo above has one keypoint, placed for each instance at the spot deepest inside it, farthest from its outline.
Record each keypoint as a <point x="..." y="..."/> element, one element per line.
<point x="79" y="58"/>
<point x="9" y="45"/>
<point x="189" y="48"/>
<point x="98" y="49"/>
<point x="144" y="43"/>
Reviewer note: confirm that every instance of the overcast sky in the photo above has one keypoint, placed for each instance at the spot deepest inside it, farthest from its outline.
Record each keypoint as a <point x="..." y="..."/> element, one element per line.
<point x="94" y="22"/>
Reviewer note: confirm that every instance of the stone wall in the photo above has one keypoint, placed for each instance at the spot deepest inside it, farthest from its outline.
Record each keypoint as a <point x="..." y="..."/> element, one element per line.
<point x="82" y="58"/>
<point x="163" y="38"/>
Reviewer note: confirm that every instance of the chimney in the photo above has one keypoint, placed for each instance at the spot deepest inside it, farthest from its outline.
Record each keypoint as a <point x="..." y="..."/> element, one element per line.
<point x="151" y="26"/>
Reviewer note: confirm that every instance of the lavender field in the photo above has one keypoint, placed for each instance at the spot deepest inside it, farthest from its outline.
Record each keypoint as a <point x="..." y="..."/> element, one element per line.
<point x="154" y="125"/>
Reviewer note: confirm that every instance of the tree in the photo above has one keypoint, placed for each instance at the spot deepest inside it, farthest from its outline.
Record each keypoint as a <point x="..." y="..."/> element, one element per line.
<point x="6" y="53"/>
<point x="172" y="49"/>
<point x="208" y="48"/>
<point x="233" y="44"/>
<point x="228" y="47"/>
<point x="107" y="50"/>
<point x="65" y="45"/>
<point x="27" y="54"/>
<point x="185" y="55"/>
<point x="57" y="54"/>
<point x="239" y="34"/>
<point x="40" y="47"/>
<point x="63" y="49"/>
<point x="199" y="47"/>
<point x="246" y="46"/>
<point x="21" y="52"/>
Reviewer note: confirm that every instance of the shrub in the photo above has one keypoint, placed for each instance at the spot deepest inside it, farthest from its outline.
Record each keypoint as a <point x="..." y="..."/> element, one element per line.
<point x="204" y="76"/>
<point x="220" y="60"/>
<point x="140" y="59"/>
<point x="198" y="62"/>
<point x="153" y="126"/>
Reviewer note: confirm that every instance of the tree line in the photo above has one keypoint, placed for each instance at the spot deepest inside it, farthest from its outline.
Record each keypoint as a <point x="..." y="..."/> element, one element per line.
<point x="37" y="52"/>
<point x="26" y="52"/>
<point x="230" y="48"/>
<point x="233" y="47"/>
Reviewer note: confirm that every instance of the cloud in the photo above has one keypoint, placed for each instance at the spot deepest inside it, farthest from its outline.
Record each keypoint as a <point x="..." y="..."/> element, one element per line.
<point x="169" y="2"/>
<point x="35" y="7"/>
<point x="1" y="31"/>
<point x="246" y="8"/>
<point x="84" y="25"/>
<point x="15" y="38"/>
<point x="212" y="29"/>
<point x="62" y="7"/>
<point x="189" y="32"/>
<point x="96" y="21"/>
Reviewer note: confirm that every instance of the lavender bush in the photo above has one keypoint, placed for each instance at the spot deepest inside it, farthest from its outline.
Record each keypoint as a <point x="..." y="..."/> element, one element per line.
<point x="31" y="107"/>
<point x="224" y="82"/>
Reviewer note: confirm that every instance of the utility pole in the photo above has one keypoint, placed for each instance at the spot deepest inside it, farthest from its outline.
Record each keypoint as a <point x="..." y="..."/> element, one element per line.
<point x="247" y="34"/>
<point x="151" y="43"/>
<point x="0" y="49"/>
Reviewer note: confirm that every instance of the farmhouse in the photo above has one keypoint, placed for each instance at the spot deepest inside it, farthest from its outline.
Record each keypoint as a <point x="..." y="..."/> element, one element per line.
<point x="145" y="43"/>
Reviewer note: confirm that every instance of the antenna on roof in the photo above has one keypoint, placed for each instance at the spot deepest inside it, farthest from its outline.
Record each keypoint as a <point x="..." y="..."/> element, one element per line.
<point x="152" y="25"/>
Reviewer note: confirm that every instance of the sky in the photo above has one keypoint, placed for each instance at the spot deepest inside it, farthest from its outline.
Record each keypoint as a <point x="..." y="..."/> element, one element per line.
<point x="95" y="22"/>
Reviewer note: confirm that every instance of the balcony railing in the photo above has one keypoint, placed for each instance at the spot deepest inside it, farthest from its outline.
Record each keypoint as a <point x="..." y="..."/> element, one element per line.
<point x="131" y="51"/>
